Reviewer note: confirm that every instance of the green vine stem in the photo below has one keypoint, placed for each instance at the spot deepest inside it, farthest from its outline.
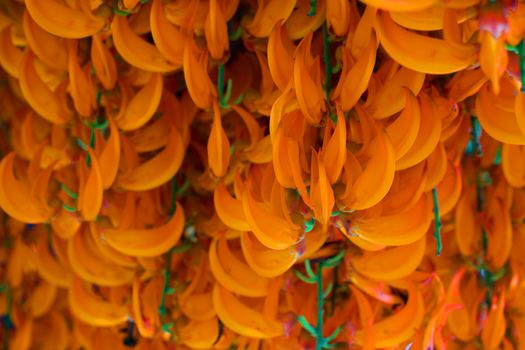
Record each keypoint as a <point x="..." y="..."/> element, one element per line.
<point x="487" y="277"/>
<point x="321" y="342"/>
<point x="320" y="306"/>
<point x="521" y="54"/>
<point x="327" y="62"/>
<point x="520" y="51"/>
<point x="220" y="82"/>
<point x="328" y="69"/>
<point x="437" y="222"/>
<point x="68" y="191"/>
<point x="166" y="288"/>
<point x="224" y="96"/>
<point x="185" y="246"/>
<point x="313" y="5"/>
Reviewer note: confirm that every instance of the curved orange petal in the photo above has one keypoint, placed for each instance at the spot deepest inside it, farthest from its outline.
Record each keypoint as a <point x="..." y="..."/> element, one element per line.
<point x="93" y="190"/>
<point x="10" y="55"/>
<point x="14" y="195"/>
<point x="50" y="49"/>
<point x="218" y="145"/>
<point x="168" y="38"/>
<point x="493" y="330"/>
<point x="404" y="129"/>
<point x="493" y="58"/>
<point x="356" y="81"/>
<point x="334" y="151"/>
<point x="399" y="327"/>
<point x="373" y="183"/>
<point x="39" y="96"/>
<point x="137" y="51"/>
<point x="157" y="170"/>
<point x="234" y="274"/>
<point x="427" y="138"/>
<point x="270" y="229"/>
<point x="216" y="31"/>
<point x="148" y="242"/>
<point x="398" y="229"/>
<point x="307" y="82"/>
<point x="62" y="20"/>
<point x="499" y="123"/>
<point x="280" y="56"/>
<point x="109" y="158"/>
<point x="196" y="75"/>
<point x="80" y="83"/>
<point x="229" y="209"/>
<point x="103" y="63"/>
<point x="268" y="14"/>
<point x="321" y="193"/>
<point x="143" y="105"/>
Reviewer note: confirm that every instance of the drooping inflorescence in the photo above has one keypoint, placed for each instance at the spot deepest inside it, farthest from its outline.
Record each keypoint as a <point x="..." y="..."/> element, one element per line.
<point x="262" y="174"/>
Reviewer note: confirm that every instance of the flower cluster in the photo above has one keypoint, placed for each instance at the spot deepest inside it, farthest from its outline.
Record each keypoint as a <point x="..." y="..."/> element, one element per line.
<point x="270" y="174"/>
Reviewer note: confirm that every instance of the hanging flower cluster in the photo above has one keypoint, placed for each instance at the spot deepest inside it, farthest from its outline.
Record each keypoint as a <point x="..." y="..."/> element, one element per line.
<point x="270" y="174"/>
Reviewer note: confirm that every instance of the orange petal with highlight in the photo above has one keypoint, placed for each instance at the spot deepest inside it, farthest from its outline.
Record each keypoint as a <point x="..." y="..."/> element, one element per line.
<point x="218" y="145"/>
<point x="196" y="75"/>
<point x="109" y="158"/>
<point x="143" y="105"/>
<point x="10" y="55"/>
<point x="216" y="31"/>
<point x="168" y="38"/>
<point x="93" y="190"/>
<point x="229" y="209"/>
<point x="356" y="81"/>
<point x="62" y="20"/>
<point x="39" y="96"/>
<point x="271" y="229"/>
<point x="14" y="195"/>
<point x="307" y="82"/>
<point x="103" y="63"/>
<point x="493" y="330"/>
<point x="81" y="88"/>
<point x="137" y="51"/>
<point x="280" y="56"/>
<point x="157" y="170"/>
<point x="51" y="49"/>
<point x="148" y="242"/>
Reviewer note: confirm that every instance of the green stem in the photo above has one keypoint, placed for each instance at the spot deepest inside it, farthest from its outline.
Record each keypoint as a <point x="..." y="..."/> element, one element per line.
<point x="511" y="48"/>
<point x="81" y="144"/>
<point x="437" y="222"/>
<point x="69" y="208"/>
<point x="165" y="288"/>
<point x="220" y="82"/>
<point x="68" y="191"/>
<point x="320" y="310"/>
<point x="98" y="97"/>
<point x="121" y="12"/>
<point x="327" y="68"/>
<point x="475" y="134"/>
<point x="484" y="273"/>
<point x="313" y="5"/>
<point x="521" y="54"/>
<point x="234" y="35"/>
<point x="182" y="248"/>
<point x="327" y="62"/>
